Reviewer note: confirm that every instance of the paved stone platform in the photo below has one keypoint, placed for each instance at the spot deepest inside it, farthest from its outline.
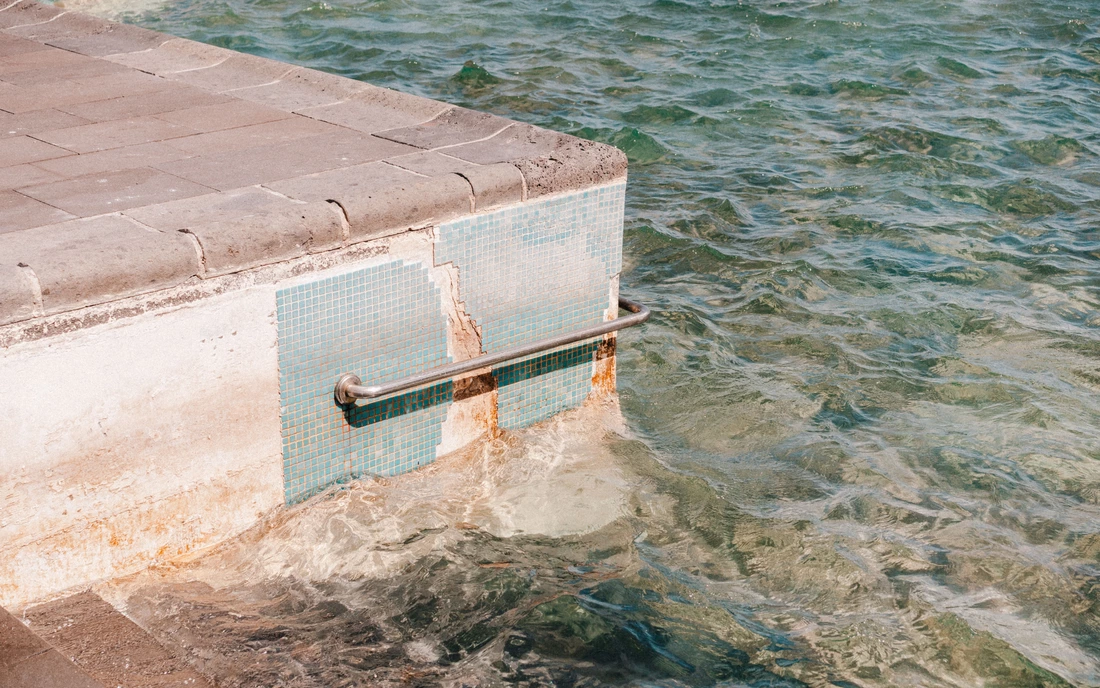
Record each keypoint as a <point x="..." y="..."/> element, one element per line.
<point x="132" y="161"/>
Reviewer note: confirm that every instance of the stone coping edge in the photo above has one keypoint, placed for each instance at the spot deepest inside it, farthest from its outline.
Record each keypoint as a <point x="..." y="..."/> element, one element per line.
<point x="84" y="262"/>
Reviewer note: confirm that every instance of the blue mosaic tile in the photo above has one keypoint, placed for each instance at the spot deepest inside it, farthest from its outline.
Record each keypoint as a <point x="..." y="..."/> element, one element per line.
<point x="539" y="387"/>
<point x="534" y="270"/>
<point x="525" y="272"/>
<point x="382" y="322"/>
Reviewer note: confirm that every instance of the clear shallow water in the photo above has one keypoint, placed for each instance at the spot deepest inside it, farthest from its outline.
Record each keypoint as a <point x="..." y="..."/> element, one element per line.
<point x="858" y="442"/>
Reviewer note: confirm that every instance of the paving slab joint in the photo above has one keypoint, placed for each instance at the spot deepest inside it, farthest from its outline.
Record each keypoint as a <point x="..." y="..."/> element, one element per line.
<point x="32" y="279"/>
<point x="259" y="239"/>
<point x="404" y="207"/>
<point x="82" y="262"/>
<point x="199" y="252"/>
<point x="20" y="294"/>
<point x="40" y="23"/>
<point x="345" y="223"/>
<point x="494" y="185"/>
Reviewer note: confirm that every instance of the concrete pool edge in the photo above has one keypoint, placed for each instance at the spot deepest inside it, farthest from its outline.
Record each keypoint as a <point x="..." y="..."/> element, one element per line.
<point x="148" y="351"/>
<point x="441" y="162"/>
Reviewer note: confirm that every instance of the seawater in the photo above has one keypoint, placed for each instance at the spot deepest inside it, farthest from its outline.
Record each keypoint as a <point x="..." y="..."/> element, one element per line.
<point x="857" y="443"/>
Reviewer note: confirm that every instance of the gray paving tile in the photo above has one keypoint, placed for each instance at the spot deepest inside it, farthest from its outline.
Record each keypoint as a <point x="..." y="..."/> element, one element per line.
<point x="248" y="227"/>
<point x="83" y="68"/>
<point x="25" y="175"/>
<point x="29" y="12"/>
<point x="34" y="121"/>
<point x="239" y="71"/>
<point x="113" y="160"/>
<point x="495" y="185"/>
<point x="302" y="88"/>
<point x="573" y="164"/>
<point x="19" y="99"/>
<point x="89" y="138"/>
<point x="230" y="115"/>
<point x="63" y="25"/>
<point x="175" y="55"/>
<point x="265" y="133"/>
<point x="231" y="205"/>
<point x="16" y="150"/>
<point x="514" y="143"/>
<point x="345" y="182"/>
<point x="423" y="109"/>
<point x="20" y="212"/>
<point x="428" y="201"/>
<point x="430" y="164"/>
<point x="234" y="169"/>
<point x="114" y="191"/>
<point x="174" y="99"/>
<point x="457" y="125"/>
<point x="45" y="57"/>
<point x="13" y="45"/>
<point x="367" y="116"/>
<point x="82" y="262"/>
<point x="96" y="37"/>
<point x="9" y="92"/>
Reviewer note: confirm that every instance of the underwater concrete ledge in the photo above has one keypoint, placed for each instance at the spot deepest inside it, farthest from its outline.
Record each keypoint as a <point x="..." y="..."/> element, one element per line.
<point x="195" y="243"/>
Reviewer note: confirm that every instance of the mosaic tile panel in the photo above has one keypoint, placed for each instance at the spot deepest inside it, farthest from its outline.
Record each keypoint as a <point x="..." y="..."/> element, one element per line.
<point x="533" y="270"/>
<point x="381" y="322"/>
<point x="537" y="388"/>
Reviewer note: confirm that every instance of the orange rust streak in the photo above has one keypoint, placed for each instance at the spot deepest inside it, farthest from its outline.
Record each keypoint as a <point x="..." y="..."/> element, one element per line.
<point x="603" y="379"/>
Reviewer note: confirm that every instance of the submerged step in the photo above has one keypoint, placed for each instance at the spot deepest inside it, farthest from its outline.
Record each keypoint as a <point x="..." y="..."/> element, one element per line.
<point x="28" y="661"/>
<point x="196" y="244"/>
<point x="107" y="646"/>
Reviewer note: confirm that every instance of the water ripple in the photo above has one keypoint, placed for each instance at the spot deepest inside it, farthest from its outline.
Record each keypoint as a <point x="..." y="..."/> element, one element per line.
<point x="868" y="398"/>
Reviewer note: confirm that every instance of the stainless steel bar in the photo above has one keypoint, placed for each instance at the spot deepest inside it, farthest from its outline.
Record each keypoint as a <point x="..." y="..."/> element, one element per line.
<point x="349" y="387"/>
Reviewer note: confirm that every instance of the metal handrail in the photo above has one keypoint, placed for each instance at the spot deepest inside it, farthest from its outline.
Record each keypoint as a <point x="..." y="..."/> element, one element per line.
<point x="349" y="387"/>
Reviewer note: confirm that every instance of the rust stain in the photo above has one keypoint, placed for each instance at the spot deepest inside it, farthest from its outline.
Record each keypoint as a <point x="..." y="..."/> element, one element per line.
<point x="469" y="387"/>
<point x="496" y="565"/>
<point x="489" y="417"/>
<point x="147" y="534"/>
<point x="603" y="379"/>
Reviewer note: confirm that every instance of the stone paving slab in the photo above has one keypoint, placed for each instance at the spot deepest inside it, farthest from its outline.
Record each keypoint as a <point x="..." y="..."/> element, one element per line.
<point x="132" y="161"/>
<point x="25" y="175"/>
<point x="108" y="192"/>
<point x="34" y="121"/>
<point x="83" y="262"/>
<point x="22" y="212"/>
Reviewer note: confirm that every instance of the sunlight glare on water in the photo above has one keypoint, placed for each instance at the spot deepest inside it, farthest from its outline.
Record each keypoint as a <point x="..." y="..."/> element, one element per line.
<point x="858" y="440"/>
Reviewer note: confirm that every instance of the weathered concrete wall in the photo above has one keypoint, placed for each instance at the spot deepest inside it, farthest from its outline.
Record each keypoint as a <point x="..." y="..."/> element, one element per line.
<point x="135" y="441"/>
<point x="195" y="243"/>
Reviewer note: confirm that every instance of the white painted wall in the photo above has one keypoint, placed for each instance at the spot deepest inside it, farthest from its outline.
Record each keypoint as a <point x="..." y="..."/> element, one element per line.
<point x="133" y="442"/>
<point x="148" y="437"/>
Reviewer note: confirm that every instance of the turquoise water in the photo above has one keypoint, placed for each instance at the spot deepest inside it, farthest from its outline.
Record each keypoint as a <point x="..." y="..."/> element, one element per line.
<point x="860" y="442"/>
